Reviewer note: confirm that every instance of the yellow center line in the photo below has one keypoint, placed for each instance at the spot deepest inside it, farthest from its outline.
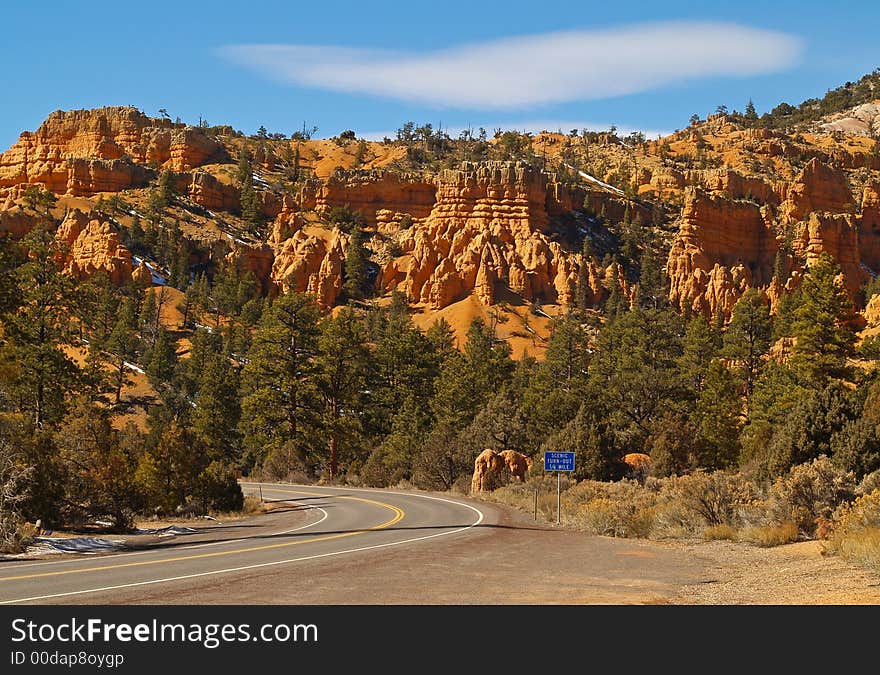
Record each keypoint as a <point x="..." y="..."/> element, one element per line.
<point x="398" y="516"/>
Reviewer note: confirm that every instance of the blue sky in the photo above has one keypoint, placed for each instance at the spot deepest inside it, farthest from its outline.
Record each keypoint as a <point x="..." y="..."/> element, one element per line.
<point x="371" y="66"/>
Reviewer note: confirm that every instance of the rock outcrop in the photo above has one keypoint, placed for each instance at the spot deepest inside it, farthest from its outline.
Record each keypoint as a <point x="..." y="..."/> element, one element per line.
<point x="492" y="469"/>
<point x="309" y="263"/>
<point x="16" y="222"/>
<point x="726" y="245"/>
<point x="92" y="246"/>
<point x="376" y="195"/>
<point x="819" y="187"/>
<point x="208" y="191"/>
<point x="83" y="152"/>
<point x="723" y="246"/>
<point x="487" y="228"/>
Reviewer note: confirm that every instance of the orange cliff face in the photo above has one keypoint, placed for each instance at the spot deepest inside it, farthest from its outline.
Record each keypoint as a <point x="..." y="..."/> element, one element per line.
<point x="725" y="245"/>
<point x="722" y="247"/>
<point x="487" y="229"/>
<point x="83" y="152"/>
<point x="472" y="230"/>
<point x="92" y="246"/>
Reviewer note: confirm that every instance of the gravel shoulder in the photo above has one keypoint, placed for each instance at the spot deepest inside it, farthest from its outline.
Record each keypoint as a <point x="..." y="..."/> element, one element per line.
<point x="792" y="574"/>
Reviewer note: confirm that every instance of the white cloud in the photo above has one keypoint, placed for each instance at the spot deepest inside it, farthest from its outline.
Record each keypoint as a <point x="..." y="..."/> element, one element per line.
<point x="548" y="68"/>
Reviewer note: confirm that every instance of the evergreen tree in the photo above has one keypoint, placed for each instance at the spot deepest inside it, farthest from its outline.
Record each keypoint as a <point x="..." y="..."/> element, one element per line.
<point x="35" y="333"/>
<point x="99" y="474"/>
<point x="442" y="337"/>
<point x="558" y="386"/>
<point x="217" y="410"/>
<point x="121" y="345"/>
<point x="136" y="237"/>
<point x="500" y="425"/>
<point x="598" y="456"/>
<point x="166" y="187"/>
<point x="750" y="116"/>
<point x="467" y="380"/>
<point x="616" y="304"/>
<point x="343" y="359"/>
<point x="280" y="399"/>
<point x="822" y="325"/>
<point x="395" y="458"/>
<point x="355" y="267"/>
<point x="719" y="410"/>
<point x="161" y="362"/>
<point x="810" y="426"/>
<point x="748" y="337"/>
<point x="653" y="284"/>
<point x="634" y="369"/>
<point x="583" y="292"/>
<point x="405" y="365"/>
<point x="700" y="347"/>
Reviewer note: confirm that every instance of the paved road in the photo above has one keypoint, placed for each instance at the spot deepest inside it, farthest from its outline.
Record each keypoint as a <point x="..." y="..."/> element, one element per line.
<point x="311" y="523"/>
<point x="323" y="545"/>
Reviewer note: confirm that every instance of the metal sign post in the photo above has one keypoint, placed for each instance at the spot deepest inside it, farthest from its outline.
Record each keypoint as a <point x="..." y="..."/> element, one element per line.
<point x="558" y="497"/>
<point x="558" y="462"/>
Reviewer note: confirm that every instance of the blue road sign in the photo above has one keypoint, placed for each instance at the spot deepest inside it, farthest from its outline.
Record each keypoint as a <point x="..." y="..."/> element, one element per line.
<point x="558" y="461"/>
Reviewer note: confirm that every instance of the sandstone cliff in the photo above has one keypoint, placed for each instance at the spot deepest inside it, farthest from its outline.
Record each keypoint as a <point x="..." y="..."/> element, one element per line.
<point x="107" y="149"/>
<point x="91" y="246"/>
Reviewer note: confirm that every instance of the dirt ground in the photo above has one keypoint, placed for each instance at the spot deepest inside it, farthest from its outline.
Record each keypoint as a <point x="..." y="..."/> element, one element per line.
<point x="793" y="574"/>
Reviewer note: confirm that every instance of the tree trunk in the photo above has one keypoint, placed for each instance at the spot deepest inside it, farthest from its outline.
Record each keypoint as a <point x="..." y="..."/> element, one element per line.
<point x="334" y="456"/>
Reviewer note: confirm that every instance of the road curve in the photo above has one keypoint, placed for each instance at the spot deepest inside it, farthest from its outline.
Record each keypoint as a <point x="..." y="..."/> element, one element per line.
<point x="308" y="524"/>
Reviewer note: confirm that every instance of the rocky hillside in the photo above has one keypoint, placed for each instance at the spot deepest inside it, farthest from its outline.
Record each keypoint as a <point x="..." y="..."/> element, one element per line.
<point x="538" y="223"/>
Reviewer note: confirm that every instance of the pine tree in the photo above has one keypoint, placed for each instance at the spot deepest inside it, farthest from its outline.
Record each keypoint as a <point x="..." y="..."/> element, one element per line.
<point x="822" y="325"/>
<point x="355" y="266"/>
<point x="279" y="388"/>
<point x="405" y="365"/>
<point x="99" y="475"/>
<point x="653" y="284"/>
<point x="468" y="379"/>
<point x="122" y="344"/>
<point x="136" y="237"/>
<point x="343" y="360"/>
<point x="634" y="368"/>
<point x="748" y="337"/>
<point x="700" y="347"/>
<point x="217" y="410"/>
<point x="34" y="334"/>
<point x="718" y="413"/>
<point x="166" y="187"/>
<point x="751" y="116"/>
<point x="161" y="362"/>
<point x="583" y="292"/>
<point x="598" y="456"/>
<point x="442" y="336"/>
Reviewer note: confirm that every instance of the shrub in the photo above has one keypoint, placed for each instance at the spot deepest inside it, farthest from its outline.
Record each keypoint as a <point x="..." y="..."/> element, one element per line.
<point x="619" y="509"/>
<point x="713" y="497"/>
<point x="810" y="491"/>
<point x="856" y="533"/>
<point x="868" y="483"/>
<point x="770" y="535"/>
<point x="217" y="488"/>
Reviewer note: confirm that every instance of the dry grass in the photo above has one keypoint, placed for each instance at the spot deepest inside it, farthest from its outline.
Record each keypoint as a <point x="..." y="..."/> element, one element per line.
<point x="770" y="535"/>
<point x="719" y="532"/>
<point x="861" y="547"/>
<point x="856" y="534"/>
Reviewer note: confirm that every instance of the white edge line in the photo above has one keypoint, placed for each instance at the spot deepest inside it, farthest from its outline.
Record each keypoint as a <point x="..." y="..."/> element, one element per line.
<point x="279" y="562"/>
<point x="181" y="548"/>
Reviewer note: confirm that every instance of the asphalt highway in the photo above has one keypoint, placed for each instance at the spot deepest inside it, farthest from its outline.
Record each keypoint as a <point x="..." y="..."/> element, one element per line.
<point x="307" y="524"/>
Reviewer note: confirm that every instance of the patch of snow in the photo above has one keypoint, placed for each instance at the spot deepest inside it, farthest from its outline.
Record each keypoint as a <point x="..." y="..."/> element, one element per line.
<point x="169" y="530"/>
<point x="135" y="368"/>
<point x="86" y="545"/>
